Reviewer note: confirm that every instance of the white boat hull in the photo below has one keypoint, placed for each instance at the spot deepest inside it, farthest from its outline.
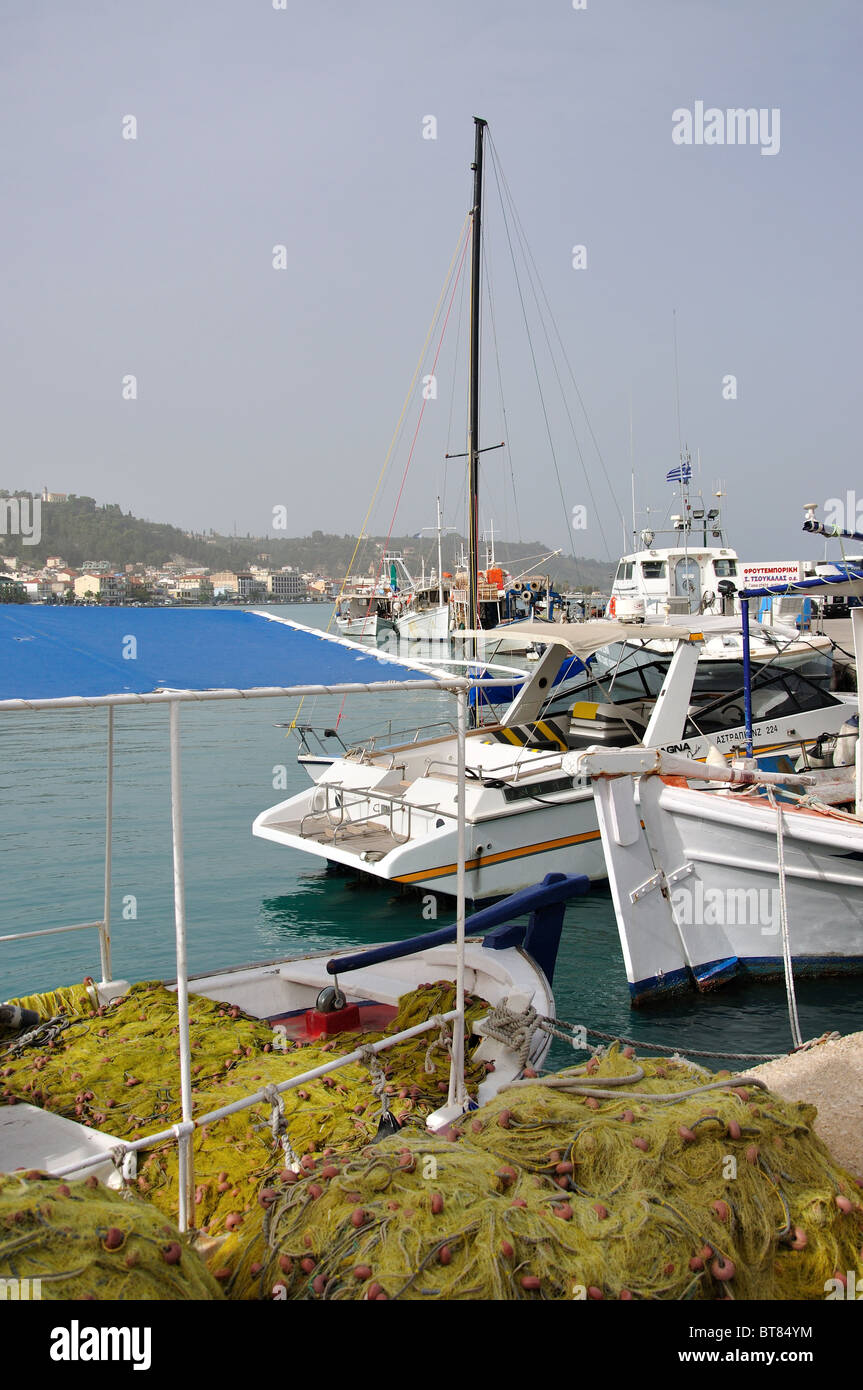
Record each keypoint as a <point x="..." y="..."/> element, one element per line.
<point x="426" y="625"/>
<point x="720" y="917"/>
<point x="504" y="855"/>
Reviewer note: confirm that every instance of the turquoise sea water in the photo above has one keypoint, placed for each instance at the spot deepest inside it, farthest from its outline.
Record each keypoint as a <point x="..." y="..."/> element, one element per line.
<point x="249" y="900"/>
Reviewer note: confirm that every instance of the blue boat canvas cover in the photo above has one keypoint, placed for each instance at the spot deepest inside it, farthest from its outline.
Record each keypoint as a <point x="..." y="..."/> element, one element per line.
<point x="52" y="653"/>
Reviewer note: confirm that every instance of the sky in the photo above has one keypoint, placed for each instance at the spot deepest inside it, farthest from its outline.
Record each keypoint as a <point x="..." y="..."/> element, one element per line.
<point x="154" y="355"/>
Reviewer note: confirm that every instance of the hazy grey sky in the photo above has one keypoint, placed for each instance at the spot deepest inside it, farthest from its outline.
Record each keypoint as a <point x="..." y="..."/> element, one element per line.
<point x="259" y="126"/>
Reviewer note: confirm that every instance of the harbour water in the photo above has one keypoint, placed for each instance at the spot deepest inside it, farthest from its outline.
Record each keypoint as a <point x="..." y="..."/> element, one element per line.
<point x="248" y="900"/>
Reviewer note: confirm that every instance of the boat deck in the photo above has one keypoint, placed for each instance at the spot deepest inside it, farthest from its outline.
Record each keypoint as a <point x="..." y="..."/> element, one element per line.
<point x="368" y="835"/>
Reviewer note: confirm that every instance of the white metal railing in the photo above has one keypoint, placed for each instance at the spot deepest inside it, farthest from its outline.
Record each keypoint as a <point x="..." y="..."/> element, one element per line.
<point x="104" y="926"/>
<point x="186" y="1128"/>
<point x="183" y="1131"/>
<point x="100" y="927"/>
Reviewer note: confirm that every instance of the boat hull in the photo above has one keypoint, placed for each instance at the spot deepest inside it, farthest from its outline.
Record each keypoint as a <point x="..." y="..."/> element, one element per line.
<point x="426" y="625"/>
<point x="720" y="916"/>
<point x="503" y="857"/>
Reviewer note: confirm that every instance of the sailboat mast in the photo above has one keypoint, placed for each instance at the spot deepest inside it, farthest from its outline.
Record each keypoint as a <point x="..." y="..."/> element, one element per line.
<point x="473" y="442"/>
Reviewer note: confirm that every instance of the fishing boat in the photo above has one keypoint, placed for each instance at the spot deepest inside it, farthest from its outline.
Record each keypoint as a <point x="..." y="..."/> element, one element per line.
<point x="756" y="874"/>
<point x="690" y="575"/>
<point x="372" y="606"/>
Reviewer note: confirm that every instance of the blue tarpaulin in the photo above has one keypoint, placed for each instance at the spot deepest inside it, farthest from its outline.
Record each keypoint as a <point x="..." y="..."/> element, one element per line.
<point x="49" y="653"/>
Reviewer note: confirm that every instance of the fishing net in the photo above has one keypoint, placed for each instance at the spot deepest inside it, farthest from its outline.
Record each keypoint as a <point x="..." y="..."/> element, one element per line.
<point x="83" y="1240"/>
<point x="117" y="1068"/>
<point x="552" y="1195"/>
<point x="546" y="1192"/>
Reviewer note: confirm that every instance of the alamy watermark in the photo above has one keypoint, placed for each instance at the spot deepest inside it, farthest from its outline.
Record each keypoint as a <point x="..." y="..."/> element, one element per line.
<point x="735" y="126"/>
<point x="20" y="1290"/>
<point x="845" y="513"/>
<point x="21" y="516"/>
<point x="727" y="907"/>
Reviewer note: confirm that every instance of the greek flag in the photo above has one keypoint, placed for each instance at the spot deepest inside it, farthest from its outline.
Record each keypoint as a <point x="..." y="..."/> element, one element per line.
<point x="683" y="474"/>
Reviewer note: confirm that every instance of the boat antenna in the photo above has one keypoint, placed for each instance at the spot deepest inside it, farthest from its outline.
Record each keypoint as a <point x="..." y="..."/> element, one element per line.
<point x="632" y="471"/>
<point x="677" y="386"/>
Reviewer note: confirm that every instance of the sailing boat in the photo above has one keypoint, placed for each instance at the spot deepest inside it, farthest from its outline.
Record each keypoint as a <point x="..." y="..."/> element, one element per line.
<point x="438" y="622"/>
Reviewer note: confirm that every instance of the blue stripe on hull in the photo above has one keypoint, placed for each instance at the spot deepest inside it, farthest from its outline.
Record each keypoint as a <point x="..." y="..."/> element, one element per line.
<point x="713" y="974"/>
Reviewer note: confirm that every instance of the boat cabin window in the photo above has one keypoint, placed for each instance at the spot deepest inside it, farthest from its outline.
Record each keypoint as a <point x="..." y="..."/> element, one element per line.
<point x="776" y="694"/>
<point x="624" y="570"/>
<point x="725" y="569"/>
<point x="653" y="569"/>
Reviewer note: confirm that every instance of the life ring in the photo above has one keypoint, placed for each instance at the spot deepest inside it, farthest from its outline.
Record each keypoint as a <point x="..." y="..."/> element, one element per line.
<point x="611" y="610"/>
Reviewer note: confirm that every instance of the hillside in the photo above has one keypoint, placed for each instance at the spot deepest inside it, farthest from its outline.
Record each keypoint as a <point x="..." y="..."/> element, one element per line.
<point x="80" y="530"/>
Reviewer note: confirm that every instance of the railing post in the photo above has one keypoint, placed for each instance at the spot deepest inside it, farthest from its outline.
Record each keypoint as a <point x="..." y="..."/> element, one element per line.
<point x="105" y="929"/>
<point x="456" y="1093"/>
<point x="185" y="1144"/>
<point x="747" y="675"/>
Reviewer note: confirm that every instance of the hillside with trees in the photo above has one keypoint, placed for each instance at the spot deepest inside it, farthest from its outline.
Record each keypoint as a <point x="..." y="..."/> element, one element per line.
<point x="80" y="530"/>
